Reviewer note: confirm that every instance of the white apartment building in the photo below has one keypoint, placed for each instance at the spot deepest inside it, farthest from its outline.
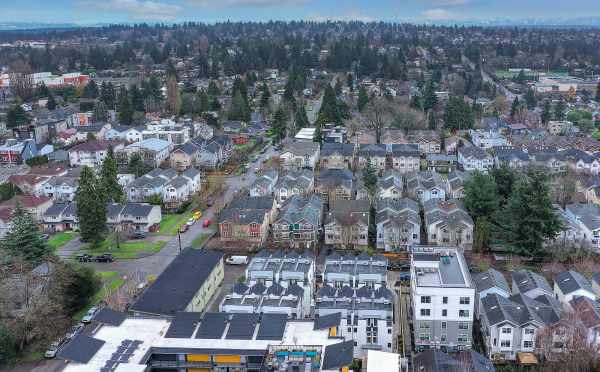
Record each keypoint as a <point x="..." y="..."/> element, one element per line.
<point x="443" y="298"/>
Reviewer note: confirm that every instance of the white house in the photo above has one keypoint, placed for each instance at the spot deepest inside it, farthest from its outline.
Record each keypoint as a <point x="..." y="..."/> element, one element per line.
<point x="571" y="284"/>
<point x="474" y="158"/>
<point x="91" y="153"/>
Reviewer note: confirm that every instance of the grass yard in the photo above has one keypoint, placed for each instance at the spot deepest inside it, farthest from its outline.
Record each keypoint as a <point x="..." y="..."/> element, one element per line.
<point x="105" y="275"/>
<point x="58" y="240"/>
<point x="200" y="239"/>
<point x="128" y="250"/>
<point x="112" y="286"/>
<point x="170" y="223"/>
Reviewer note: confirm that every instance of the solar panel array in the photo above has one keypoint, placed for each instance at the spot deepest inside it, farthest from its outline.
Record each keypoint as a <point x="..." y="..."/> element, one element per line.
<point x="241" y="326"/>
<point x="272" y="327"/>
<point x="213" y="325"/>
<point x="183" y="325"/>
<point x="123" y="353"/>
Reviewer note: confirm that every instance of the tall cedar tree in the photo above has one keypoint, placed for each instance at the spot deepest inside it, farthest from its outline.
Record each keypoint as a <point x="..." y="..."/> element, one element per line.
<point x="504" y="177"/>
<point x="318" y="136"/>
<point x="546" y="113"/>
<point x="91" y="209"/>
<point x="458" y="114"/>
<point x="559" y="111"/>
<point x="369" y="178"/>
<point x="51" y="104"/>
<point x="429" y="97"/>
<point x="329" y="112"/>
<point x="279" y="125"/>
<point x="481" y="195"/>
<point x="24" y="239"/>
<point x="111" y="190"/>
<point x="363" y="99"/>
<point x="530" y="99"/>
<point x="239" y="108"/>
<point x="516" y="105"/>
<point x="137" y="166"/>
<point x="528" y="218"/>
<point x="173" y="94"/>
<point x="125" y="108"/>
<point x="265" y="97"/>
<point x="300" y="118"/>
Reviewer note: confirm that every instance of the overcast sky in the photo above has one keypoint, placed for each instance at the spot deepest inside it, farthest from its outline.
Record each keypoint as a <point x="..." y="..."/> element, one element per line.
<point x="104" y="11"/>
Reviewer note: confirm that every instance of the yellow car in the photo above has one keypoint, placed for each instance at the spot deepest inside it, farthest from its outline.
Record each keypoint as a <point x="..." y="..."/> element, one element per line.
<point x="197" y="215"/>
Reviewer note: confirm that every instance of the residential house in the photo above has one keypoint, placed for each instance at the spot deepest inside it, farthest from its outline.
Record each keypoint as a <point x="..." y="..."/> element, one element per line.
<point x="585" y="216"/>
<point x="438" y="361"/>
<point x="588" y="313"/>
<point x="424" y="186"/>
<point x="530" y="284"/>
<point x="180" y="190"/>
<point x="347" y="223"/>
<point x="391" y="136"/>
<point x="150" y="184"/>
<point x="513" y="158"/>
<point x="571" y="284"/>
<point x="124" y="133"/>
<point x="210" y="153"/>
<point x="247" y="219"/>
<point x="405" y="158"/>
<point x="300" y="182"/>
<point x="61" y="216"/>
<point x="29" y="184"/>
<point x="489" y="282"/>
<point x="61" y="188"/>
<point x="552" y="160"/>
<point x="337" y="155"/>
<point x="14" y="152"/>
<point x="429" y="141"/>
<point x="455" y="184"/>
<point x="390" y="186"/>
<point x="184" y="156"/>
<point x="441" y="163"/>
<point x="299" y="221"/>
<point x="375" y="153"/>
<point x="299" y="155"/>
<point x="264" y="185"/>
<point x="487" y="138"/>
<point x="398" y="224"/>
<point x="35" y="206"/>
<point x="442" y="298"/>
<point x="474" y="158"/>
<point x="167" y="130"/>
<point x="335" y="184"/>
<point x="96" y="131"/>
<point x="139" y="217"/>
<point x="153" y="151"/>
<point x="92" y="153"/>
<point x="559" y="127"/>
<point x="448" y="223"/>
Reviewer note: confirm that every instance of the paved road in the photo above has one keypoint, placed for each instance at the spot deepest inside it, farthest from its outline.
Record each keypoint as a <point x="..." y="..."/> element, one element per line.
<point x="510" y="96"/>
<point x="155" y="264"/>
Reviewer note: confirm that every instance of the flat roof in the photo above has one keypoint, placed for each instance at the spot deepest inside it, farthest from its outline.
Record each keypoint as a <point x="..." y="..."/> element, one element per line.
<point x="382" y="361"/>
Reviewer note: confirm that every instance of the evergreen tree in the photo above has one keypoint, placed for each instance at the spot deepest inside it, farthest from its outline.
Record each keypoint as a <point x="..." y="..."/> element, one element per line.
<point x="203" y="100"/>
<point x="213" y="89"/>
<point x="429" y="97"/>
<point x="528" y="218"/>
<point x="91" y="207"/>
<point x="91" y="90"/>
<point x="504" y="177"/>
<point x="137" y="99"/>
<point x="108" y="95"/>
<point x="369" y="178"/>
<point x="23" y="239"/>
<point x="329" y="112"/>
<point x="432" y="124"/>
<point x="100" y="114"/>
<point x="137" y="166"/>
<point x="530" y="99"/>
<point x="279" y="125"/>
<point x="350" y="82"/>
<point x="363" y="99"/>
<point x="173" y="94"/>
<point x="546" y="113"/>
<point x="112" y="192"/>
<point x="318" y="136"/>
<point x="51" y="104"/>
<point x="416" y="102"/>
<point x="458" y="115"/>
<point x="516" y="105"/>
<point x="265" y="97"/>
<point x="125" y="109"/>
<point x="559" y="111"/>
<point x="481" y="195"/>
<point x="597" y="93"/>
<point x="301" y="119"/>
<point x="288" y="94"/>
<point x="239" y="109"/>
<point x="17" y="116"/>
<point x="338" y="87"/>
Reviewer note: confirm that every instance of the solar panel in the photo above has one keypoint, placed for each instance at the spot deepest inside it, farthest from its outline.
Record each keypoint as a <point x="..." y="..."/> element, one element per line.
<point x="212" y="325"/>
<point x="183" y="325"/>
<point x="272" y="327"/>
<point x="81" y="348"/>
<point x="241" y="326"/>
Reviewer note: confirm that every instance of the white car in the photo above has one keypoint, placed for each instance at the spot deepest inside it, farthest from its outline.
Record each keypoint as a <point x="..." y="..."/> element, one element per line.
<point x="75" y="330"/>
<point x="53" y="349"/>
<point x="191" y="221"/>
<point x="90" y="315"/>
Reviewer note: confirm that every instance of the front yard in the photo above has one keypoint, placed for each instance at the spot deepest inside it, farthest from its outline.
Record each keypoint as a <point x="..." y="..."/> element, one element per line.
<point x="128" y="250"/>
<point x="58" y="240"/>
<point x="170" y="223"/>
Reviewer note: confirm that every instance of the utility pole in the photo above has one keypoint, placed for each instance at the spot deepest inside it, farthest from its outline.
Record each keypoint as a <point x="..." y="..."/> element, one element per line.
<point x="179" y="239"/>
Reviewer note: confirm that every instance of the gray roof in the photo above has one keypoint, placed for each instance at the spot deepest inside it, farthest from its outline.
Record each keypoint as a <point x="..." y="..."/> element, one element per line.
<point x="81" y="349"/>
<point x="328" y="321"/>
<point x="338" y="355"/>
<point x="571" y="281"/>
<point x="372" y="150"/>
<point x="258" y="202"/>
<point x="588" y="214"/>
<point x="301" y="148"/>
<point x="519" y="310"/>
<point x="110" y="316"/>
<point x="344" y="149"/>
<point x="489" y="279"/>
<point x="178" y="284"/>
<point x="272" y="327"/>
<point x="527" y="280"/>
<point x="411" y="149"/>
<point x="473" y="151"/>
<point x="437" y="361"/>
<point x="297" y="209"/>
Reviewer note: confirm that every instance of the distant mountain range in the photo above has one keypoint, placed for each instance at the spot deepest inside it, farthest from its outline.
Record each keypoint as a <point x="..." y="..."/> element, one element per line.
<point x="492" y="22"/>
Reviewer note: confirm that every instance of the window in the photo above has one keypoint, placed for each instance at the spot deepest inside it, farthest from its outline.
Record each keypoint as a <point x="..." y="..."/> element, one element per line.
<point x="444" y="325"/>
<point x="529" y="331"/>
<point x="465" y="300"/>
<point x="463" y="313"/>
<point x="425" y="312"/>
<point x="389" y="331"/>
<point x="444" y="337"/>
<point x="389" y="344"/>
<point x="528" y="344"/>
<point x="424" y="325"/>
<point x="424" y="337"/>
<point x="505" y="343"/>
<point x="444" y="300"/>
<point x="425" y="299"/>
<point x="507" y="330"/>
<point x="349" y="329"/>
<point x="462" y="338"/>
<point x="444" y="312"/>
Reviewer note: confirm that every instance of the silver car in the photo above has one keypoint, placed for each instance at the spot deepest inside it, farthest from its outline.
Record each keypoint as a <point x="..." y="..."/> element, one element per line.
<point x="53" y="349"/>
<point x="90" y="315"/>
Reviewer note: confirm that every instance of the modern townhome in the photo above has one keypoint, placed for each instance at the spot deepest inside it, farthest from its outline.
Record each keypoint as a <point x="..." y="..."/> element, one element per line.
<point x="441" y="163"/>
<point x="442" y="297"/>
<point x="355" y="290"/>
<point x="299" y="222"/>
<point x="335" y="184"/>
<point x="510" y="325"/>
<point x="554" y="162"/>
<point x="337" y="155"/>
<point x="585" y="216"/>
<point x="61" y="216"/>
<point x="530" y="284"/>
<point x="300" y="182"/>
<point x="571" y="284"/>
<point x="455" y="184"/>
<point x="61" y="188"/>
<point x="276" y="282"/>
<point x="300" y="155"/>
<point x="448" y="223"/>
<point x="92" y="153"/>
<point x="347" y="224"/>
<point x="264" y="185"/>
<point x="487" y="138"/>
<point x="424" y="186"/>
<point x="513" y="158"/>
<point x="489" y="282"/>
<point x="211" y="153"/>
<point x="153" y="151"/>
<point x="405" y="157"/>
<point x="398" y="224"/>
<point x="167" y="130"/>
<point x="472" y="158"/>
<point x="247" y="219"/>
<point x="184" y="156"/>
<point x="150" y="184"/>
<point x="464" y="361"/>
<point x="375" y="153"/>
<point x="181" y="189"/>
<point x="124" y="133"/>
<point x="429" y="141"/>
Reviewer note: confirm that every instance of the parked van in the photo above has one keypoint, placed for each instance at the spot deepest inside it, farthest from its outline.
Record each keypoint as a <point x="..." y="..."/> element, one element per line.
<point x="237" y="260"/>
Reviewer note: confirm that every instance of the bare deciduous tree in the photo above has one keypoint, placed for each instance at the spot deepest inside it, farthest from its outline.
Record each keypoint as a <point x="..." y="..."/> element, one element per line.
<point x="380" y="113"/>
<point x="21" y="80"/>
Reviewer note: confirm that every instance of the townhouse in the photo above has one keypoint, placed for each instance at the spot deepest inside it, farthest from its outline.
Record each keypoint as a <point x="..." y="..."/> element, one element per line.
<point x="150" y="184"/>
<point x="489" y="282"/>
<point x="299" y="155"/>
<point x="247" y="219"/>
<point x="300" y="182"/>
<point x="337" y="155"/>
<point x="153" y="151"/>
<point x="376" y="154"/>
<point x="455" y="184"/>
<point x="429" y="141"/>
<point x="530" y="284"/>
<point x="335" y="184"/>
<point x="571" y="284"/>
<point x="398" y="224"/>
<point x="264" y="185"/>
<point x="29" y="184"/>
<point x="585" y="216"/>
<point x="346" y="224"/>
<point x="472" y="158"/>
<point x="448" y="223"/>
<point x="124" y="133"/>
<point x="61" y="188"/>
<point x="425" y="186"/>
<point x="299" y="222"/>
<point x="180" y="190"/>
<point x="513" y="158"/>
<point x="405" y="158"/>
<point x="355" y="289"/>
<point x="442" y="297"/>
<point x="35" y="206"/>
<point x="441" y="163"/>
<point x="167" y="130"/>
<point x="487" y="139"/>
<point x="92" y="153"/>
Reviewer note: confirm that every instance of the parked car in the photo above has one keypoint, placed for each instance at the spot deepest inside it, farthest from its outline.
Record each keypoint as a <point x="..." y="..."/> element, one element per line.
<point x="137" y="235"/>
<point x="45" y="236"/>
<point x="191" y="221"/>
<point x="90" y="315"/>
<point x="107" y="257"/>
<point x="209" y="202"/>
<point x="84" y="257"/>
<point x="206" y="222"/>
<point x="237" y="260"/>
<point x="74" y="331"/>
<point x="54" y="348"/>
<point x="185" y="227"/>
<point x="197" y="215"/>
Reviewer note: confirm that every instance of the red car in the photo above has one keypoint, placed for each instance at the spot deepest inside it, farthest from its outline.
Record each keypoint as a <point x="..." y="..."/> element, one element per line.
<point x="206" y="223"/>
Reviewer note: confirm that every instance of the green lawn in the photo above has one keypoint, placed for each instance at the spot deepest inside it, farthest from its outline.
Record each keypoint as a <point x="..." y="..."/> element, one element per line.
<point x="112" y="286"/>
<point x="128" y="250"/>
<point x="170" y="223"/>
<point x="199" y="240"/>
<point x="58" y="240"/>
<point x="105" y="275"/>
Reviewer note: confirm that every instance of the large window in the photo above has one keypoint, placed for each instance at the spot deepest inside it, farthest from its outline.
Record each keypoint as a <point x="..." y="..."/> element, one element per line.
<point x="505" y="343"/>
<point x="425" y="312"/>
<point x="425" y="299"/>
<point x="463" y="313"/>
<point x="528" y="344"/>
<point x="465" y="300"/>
<point x="507" y="330"/>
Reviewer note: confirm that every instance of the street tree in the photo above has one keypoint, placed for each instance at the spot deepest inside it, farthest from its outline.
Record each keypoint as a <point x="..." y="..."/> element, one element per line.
<point x="23" y="239"/>
<point x="112" y="192"/>
<point x="91" y="207"/>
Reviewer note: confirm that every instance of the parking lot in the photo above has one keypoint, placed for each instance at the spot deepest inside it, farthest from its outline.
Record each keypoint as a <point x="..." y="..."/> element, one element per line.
<point x="231" y="274"/>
